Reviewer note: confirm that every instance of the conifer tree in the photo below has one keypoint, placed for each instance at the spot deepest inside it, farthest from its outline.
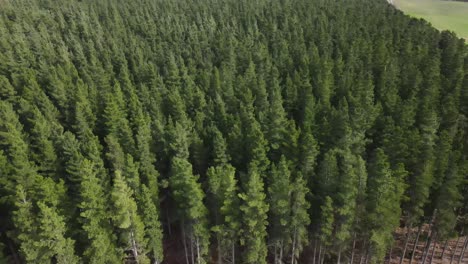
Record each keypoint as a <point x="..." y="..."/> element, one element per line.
<point x="132" y="175"/>
<point x="26" y="228"/>
<point x="345" y="201"/>
<point x="51" y="237"/>
<point x="189" y="196"/>
<point x="219" y="149"/>
<point x="153" y="229"/>
<point x="12" y="141"/>
<point x="223" y="189"/>
<point x="41" y="145"/>
<point x="147" y="159"/>
<point x="385" y="192"/>
<point x="449" y="199"/>
<point x="254" y="211"/>
<point x="326" y="226"/>
<point x="95" y="219"/>
<point x="125" y="217"/>
<point x="308" y="152"/>
<point x="276" y="125"/>
<point x="256" y="147"/>
<point x="7" y="91"/>
<point x="279" y="196"/>
<point x="300" y="219"/>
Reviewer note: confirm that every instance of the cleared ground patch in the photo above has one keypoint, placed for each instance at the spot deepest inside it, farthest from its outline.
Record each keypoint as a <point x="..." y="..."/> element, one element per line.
<point x="444" y="15"/>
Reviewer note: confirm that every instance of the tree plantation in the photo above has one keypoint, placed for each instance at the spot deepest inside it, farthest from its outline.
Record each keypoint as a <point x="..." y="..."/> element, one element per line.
<point x="229" y="131"/>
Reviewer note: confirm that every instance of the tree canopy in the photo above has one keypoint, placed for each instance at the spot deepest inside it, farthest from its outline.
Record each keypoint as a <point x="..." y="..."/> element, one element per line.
<point x="226" y="130"/>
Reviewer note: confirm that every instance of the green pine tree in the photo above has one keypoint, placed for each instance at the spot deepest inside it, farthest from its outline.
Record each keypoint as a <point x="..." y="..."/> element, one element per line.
<point x="126" y="219"/>
<point x="95" y="219"/>
<point x="254" y="209"/>
<point x="188" y="195"/>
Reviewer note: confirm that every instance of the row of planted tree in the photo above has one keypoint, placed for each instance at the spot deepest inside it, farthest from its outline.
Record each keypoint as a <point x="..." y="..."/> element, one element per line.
<point x="227" y="131"/>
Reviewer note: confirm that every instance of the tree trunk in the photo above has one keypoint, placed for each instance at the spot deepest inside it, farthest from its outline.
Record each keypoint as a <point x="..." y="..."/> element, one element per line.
<point x="455" y="249"/>
<point x="443" y="250"/>
<point x="415" y="244"/>
<point x="433" y="251"/>
<point x="338" y="261"/>
<point x="184" y="240"/>
<point x="429" y="238"/>
<point x="320" y="253"/>
<point x="428" y="246"/>
<point x="354" y="247"/>
<point x="408" y="235"/>
<point x="315" y="250"/>
<point x="275" y="249"/>
<point x="462" y="254"/>
<point x="367" y="257"/>
<point x="134" y="246"/>
<point x="192" y="252"/>
<point x="198" y="250"/>
<point x="233" y="253"/>
<point x="281" y="251"/>
<point x="323" y="255"/>
<point x="293" y="253"/>
<point x="364" y="249"/>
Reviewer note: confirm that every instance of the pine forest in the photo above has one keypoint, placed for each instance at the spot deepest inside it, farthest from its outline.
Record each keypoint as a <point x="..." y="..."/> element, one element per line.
<point x="230" y="131"/>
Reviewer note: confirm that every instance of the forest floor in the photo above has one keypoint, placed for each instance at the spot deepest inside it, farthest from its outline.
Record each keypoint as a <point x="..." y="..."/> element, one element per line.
<point x="400" y="236"/>
<point x="443" y="15"/>
<point x="452" y="249"/>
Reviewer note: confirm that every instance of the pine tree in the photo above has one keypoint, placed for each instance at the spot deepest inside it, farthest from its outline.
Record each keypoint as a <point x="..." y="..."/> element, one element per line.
<point x="26" y="228"/>
<point x="256" y="146"/>
<point x="132" y="175"/>
<point x="308" y="152"/>
<point x="41" y="143"/>
<point x="7" y="91"/>
<point x="71" y="161"/>
<point x="223" y="190"/>
<point x="51" y="237"/>
<point x="153" y="229"/>
<point x="279" y="198"/>
<point x="276" y="125"/>
<point x="449" y="199"/>
<point x="219" y="149"/>
<point x="188" y="196"/>
<point x="125" y="217"/>
<point x="385" y="192"/>
<point x="344" y="200"/>
<point x="115" y="119"/>
<point x="300" y="219"/>
<point x="95" y="220"/>
<point x="254" y="211"/>
<point x="147" y="159"/>
<point x="12" y="141"/>
<point x="115" y="154"/>
<point x="84" y="120"/>
<point x="177" y="136"/>
<point x="326" y="225"/>
<point x="41" y="235"/>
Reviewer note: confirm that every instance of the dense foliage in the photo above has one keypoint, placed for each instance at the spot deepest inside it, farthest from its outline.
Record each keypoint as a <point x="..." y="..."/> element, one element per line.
<point x="228" y="131"/>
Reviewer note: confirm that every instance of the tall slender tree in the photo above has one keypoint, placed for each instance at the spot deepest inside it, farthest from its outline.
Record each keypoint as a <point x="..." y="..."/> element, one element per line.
<point x="254" y="209"/>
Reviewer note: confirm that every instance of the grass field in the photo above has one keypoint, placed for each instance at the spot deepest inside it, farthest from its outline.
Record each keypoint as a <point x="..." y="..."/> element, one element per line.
<point x="449" y="15"/>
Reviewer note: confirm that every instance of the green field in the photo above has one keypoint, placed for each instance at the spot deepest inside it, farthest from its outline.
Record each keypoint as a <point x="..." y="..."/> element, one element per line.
<point x="444" y="15"/>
